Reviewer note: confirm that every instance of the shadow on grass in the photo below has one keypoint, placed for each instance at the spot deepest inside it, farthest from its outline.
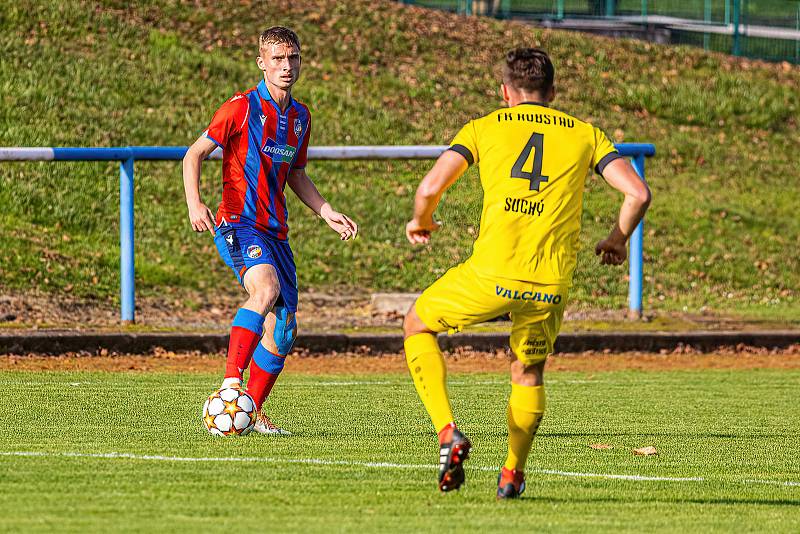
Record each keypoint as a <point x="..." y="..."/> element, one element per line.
<point x="721" y="501"/>
<point x="701" y="435"/>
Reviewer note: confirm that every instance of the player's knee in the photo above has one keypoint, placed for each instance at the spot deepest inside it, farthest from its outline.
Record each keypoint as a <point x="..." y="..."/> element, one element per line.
<point x="412" y="324"/>
<point x="407" y="324"/>
<point x="264" y="297"/>
<point x="285" y="331"/>
<point x="527" y="373"/>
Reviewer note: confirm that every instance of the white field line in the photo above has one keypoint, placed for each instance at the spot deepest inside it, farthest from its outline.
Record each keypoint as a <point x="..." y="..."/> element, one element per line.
<point x="387" y="465"/>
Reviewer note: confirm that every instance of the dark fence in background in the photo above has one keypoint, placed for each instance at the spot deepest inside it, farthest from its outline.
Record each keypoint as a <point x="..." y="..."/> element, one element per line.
<point x="763" y="29"/>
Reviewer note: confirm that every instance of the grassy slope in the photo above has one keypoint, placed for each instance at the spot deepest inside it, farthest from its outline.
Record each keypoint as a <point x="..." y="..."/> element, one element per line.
<point x="719" y="233"/>
<point x="379" y="419"/>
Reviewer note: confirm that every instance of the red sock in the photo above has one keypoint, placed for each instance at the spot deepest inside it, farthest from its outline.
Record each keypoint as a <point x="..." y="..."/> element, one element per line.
<point x="245" y="334"/>
<point x="240" y="350"/>
<point x="264" y="371"/>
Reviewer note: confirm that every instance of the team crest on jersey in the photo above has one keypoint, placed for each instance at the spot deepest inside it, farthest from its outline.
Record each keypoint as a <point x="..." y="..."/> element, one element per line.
<point x="298" y="127"/>
<point x="253" y="251"/>
<point x="279" y="153"/>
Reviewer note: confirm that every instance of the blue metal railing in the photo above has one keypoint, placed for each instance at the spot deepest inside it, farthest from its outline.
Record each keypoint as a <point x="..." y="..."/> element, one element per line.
<point x="128" y="155"/>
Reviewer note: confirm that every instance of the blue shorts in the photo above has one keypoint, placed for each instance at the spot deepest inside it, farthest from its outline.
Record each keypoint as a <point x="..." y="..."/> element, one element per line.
<point x="241" y="246"/>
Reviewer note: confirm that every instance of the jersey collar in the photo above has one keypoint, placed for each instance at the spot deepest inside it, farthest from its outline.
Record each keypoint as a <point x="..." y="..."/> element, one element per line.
<point x="534" y="104"/>
<point x="263" y="92"/>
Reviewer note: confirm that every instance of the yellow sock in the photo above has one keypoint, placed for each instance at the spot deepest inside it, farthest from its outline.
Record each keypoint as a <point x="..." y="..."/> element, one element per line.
<point x="525" y="411"/>
<point x="426" y="363"/>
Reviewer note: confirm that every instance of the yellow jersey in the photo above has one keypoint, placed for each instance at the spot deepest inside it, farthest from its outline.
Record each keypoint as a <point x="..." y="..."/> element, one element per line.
<point x="533" y="162"/>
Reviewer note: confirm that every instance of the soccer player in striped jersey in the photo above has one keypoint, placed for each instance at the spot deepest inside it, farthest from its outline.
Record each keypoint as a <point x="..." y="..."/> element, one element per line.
<point x="533" y="163"/>
<point x="264" y="135"/>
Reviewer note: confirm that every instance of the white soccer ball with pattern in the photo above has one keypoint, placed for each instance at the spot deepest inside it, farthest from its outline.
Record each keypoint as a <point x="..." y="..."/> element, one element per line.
<point x="229" y="412"/>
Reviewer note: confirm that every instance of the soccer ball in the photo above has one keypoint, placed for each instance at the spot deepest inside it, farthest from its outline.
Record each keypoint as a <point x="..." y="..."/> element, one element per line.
<point x="229" y="412"/>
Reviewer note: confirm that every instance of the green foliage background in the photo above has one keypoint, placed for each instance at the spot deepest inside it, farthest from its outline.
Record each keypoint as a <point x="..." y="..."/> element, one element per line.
<point x="722" y="233"/>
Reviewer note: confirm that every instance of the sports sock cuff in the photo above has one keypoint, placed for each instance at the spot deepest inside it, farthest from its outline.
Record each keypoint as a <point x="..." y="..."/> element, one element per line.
<point x="529" y="399"/>
<point x="421" y="344"/>
<point x="269" y="362"/>
<point x="249" y="320"/>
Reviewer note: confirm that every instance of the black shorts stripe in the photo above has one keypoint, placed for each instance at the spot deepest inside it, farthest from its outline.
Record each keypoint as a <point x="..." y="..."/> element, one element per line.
<point x="234" y="249"/>
<point x="608" y="158"/>
<point x="464" y="151"/>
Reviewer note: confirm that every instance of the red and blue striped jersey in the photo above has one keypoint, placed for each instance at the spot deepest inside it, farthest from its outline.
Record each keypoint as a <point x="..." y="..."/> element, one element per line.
<point x="260" y="145"/>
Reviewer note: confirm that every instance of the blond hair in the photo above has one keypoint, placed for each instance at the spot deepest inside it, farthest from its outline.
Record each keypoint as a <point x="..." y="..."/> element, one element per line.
<point x="278" y="35"/>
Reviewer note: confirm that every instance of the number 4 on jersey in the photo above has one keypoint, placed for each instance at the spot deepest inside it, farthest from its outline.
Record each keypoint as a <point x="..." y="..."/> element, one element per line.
<point x="535" y="176"/>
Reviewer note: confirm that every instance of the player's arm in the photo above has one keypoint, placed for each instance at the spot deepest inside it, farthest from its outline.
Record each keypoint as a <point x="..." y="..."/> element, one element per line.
<point x="306" y="191"/>
<point x="620" y="175"/>
<point x="447" y="169"/>
<point x="199" y="215"/>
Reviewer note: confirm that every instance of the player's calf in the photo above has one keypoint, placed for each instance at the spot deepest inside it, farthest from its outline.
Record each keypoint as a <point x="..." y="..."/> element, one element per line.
<point x="285" y="331"/>
<point x="246" y="330"/>
<point x="269" y="359"/>
<point x="264" y="372"/>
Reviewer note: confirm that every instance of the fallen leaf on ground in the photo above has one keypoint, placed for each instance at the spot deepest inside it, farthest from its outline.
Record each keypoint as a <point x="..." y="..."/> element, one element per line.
<point x="645" y="451"/>
<point x="600" y="446"/>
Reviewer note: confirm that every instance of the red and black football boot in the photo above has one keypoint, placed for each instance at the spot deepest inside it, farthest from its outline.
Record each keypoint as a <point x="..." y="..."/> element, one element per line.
<point x="452" y="454"/>
<point x="510" y="483"/>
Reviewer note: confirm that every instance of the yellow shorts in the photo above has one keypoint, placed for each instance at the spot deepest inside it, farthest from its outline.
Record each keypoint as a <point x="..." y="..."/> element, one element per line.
<point x="463" y="297"/>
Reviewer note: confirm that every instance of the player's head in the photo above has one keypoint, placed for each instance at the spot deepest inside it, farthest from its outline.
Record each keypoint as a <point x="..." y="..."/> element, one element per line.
<point x="279" y="56"/>
<point x="528" y="74"/>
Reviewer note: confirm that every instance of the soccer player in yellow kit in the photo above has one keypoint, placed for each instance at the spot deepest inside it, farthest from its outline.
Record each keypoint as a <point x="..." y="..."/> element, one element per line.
<point x="533" y="163"/>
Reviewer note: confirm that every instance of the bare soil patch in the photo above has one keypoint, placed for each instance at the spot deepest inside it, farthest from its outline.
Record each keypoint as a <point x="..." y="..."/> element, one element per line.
<point x="317" y="312"/>
<point x="460" y="361"/>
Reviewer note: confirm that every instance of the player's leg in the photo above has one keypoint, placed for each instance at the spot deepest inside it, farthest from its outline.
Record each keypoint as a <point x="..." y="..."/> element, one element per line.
<point x="262" y="287"/>
<point x="280" y="331"/>
<point x="524" y="414"/>
<point x="460" y="298"/>
<point x="239" y="247"/>
<point x="428" y="369"/>
<point x="533" y="335"/>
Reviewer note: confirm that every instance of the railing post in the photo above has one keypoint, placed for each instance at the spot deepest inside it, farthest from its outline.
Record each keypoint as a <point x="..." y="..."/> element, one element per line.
<point x="797" y="41"/>
<point x="126" y="265"/>
<point x="737" y="49"/>
<point x="505" y="8"/>
<point x="635" y="259"/>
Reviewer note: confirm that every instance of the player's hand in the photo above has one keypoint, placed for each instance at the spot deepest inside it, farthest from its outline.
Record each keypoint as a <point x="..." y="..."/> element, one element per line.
<point x="201" y="218"/>
<point x="420" y="233"/>
<point x="613" y="251"/>
<point x="341" y="223"/>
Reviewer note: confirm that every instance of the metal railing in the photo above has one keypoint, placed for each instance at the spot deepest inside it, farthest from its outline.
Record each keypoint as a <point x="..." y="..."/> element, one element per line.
<point x="128" y="155"/>
<point x="764" y="29"/>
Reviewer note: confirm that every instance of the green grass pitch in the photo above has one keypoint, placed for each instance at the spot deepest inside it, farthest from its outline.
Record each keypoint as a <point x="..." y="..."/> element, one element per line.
<point x="362" y="456"/>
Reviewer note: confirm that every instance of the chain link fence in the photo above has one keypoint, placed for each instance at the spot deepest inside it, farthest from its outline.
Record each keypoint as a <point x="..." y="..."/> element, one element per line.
<point x="763" y="29"/>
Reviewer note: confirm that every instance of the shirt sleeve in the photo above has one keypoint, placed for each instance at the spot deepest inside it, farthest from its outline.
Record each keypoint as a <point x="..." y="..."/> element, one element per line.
<point x="466" y="143"/>
<point x="302" y="152"/>
<point x="228" y="121"/>
<point x="604" y="151"/>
